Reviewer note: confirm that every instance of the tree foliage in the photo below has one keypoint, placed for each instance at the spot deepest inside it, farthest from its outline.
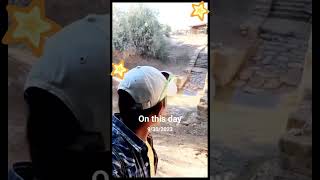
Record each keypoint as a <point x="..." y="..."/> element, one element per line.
<point x="139" y="30"/>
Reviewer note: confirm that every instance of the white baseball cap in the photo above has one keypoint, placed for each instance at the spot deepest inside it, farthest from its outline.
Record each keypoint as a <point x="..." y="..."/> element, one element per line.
<point x="147" y="85"/>
<point x="74" y="68"/>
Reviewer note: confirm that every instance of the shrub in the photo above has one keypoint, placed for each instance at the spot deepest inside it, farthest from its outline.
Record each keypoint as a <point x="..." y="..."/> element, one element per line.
<point x="166" y="30"/>
<point x="139" y="30"/>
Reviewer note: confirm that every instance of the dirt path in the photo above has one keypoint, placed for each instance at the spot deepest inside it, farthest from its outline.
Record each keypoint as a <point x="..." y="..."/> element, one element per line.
<point x="186" y="145"/>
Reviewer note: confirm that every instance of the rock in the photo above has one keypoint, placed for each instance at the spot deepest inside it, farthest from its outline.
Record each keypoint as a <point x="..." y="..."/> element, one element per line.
<point x="272" y="83"/>
<point x="227" y="62"/>
<point x="255" y="68"/>
<point x="269" y="53"/>
<point x="283" y="58"/>
<point x="296" y="153"/>
<point x="292" y="77"/>
<point x="267" y="60"/>
<point x="252" y="90"/>
<point x="244" y="27"/>
<point x="204" y="99"/>
<point x="295" y="65"/>
<point x="301" y="118"/>
<point x="285" y="27"/>
<point x="267" y="74"/>
<point x="300" y="146"/>
<point x="266" y="36"/>
<point x="257" y="58"/>
<point x="202" y="107"/>
<point x="238" y="83"/>
<point x="256" y="82"/>
<point x="246" y="74"/>
<point x="244" y="33"/>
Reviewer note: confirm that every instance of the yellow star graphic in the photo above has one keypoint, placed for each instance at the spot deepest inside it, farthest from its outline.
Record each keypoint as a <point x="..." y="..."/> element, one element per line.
<point x="199" y="10"/>
<point x="119" y="69"/>
<point x="30" y="26"/>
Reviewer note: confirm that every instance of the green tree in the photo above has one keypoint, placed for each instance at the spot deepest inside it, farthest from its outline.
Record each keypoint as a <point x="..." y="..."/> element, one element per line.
<point x="139" y="30"/>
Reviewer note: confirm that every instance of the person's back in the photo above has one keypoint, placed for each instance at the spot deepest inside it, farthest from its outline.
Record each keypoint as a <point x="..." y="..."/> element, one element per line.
<point x="68" y="96"/>
<point x="142" y="93"/>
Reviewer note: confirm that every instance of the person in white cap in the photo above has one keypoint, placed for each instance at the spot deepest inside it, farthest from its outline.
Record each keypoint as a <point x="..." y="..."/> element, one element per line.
<point x="68" y="97"/>
<point x="142" y="95"/>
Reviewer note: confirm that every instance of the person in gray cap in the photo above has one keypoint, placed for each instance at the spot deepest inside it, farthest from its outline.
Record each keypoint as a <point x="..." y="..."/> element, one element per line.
<point x="142" y="95"/>
<point x="68" y="97"/>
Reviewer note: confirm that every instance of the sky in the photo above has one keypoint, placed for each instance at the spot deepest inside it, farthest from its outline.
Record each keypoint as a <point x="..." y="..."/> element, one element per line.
<point x="176" y="15"/>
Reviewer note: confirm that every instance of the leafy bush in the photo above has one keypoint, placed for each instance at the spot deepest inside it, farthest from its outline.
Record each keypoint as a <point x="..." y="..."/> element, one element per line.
<point x="139" y="30"/>
<point x="166" y="29"/>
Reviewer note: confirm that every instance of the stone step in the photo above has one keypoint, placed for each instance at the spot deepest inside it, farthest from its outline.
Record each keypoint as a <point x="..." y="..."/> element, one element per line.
<point x="296" y="7"/>
<point x="273" y="37"/>
<point x="290" y="12"/>
<point x="263" y="2"/>
<point x="302" y="117"/>
<point x="299" y="146"/>
<point x="262" y="7"/>
<point x="202" y="61"/>
<point x="296" y="1"/>
<point x="290" y="15"/>
<point x="260" y="13"/>
<point x="202" y="106"/>
<point x="299" y="119"/>
<point x="296" y="10"/>
<point x="201" y="66"/>
<point x="204" y="99"/>
<point x="296" y="153"/>
<point x="291" y="4"/>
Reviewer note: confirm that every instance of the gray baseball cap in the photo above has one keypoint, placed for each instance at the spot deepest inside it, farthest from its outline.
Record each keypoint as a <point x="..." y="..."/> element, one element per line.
<point x="74" y="67"/>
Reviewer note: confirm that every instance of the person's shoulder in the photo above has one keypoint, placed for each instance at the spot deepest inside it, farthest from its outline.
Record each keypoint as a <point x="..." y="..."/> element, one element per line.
<point x="120" y="145"/>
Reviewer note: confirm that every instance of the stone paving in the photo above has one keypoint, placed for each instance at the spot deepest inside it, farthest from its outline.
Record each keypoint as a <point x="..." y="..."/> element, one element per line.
<point x="278" y="63"/>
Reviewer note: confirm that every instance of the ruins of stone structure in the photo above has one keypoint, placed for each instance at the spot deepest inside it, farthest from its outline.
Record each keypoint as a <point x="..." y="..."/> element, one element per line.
<point x="272" y="59"/>
<point x="199" y="75"/>
<point x="296" y="144"/>
<point x="202" y="108"/>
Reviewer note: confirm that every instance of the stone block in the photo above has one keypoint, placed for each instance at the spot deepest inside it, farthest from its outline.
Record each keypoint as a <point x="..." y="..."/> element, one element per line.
<point x="202" y="107"/>
<point x="296" y="153"/>
<point x="296" y="145"/>
<point x="293" y="77"/>
<point x="256" y="82"/>
<point x="272" y="83"/>
<point x="228" y="61"/>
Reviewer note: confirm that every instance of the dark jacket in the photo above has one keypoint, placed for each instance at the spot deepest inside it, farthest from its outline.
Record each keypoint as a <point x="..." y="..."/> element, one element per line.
<point x="21" y="171"/>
